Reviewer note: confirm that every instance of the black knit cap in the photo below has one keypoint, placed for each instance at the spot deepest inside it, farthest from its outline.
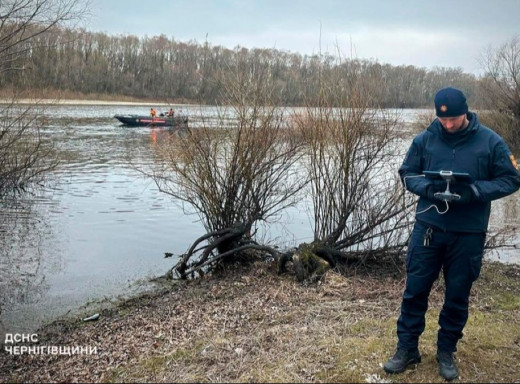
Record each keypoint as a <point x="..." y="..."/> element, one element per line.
<point x="450" y="102"/>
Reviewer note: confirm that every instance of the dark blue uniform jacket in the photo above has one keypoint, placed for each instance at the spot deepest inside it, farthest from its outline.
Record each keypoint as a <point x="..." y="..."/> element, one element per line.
<point x="476" y="150"/>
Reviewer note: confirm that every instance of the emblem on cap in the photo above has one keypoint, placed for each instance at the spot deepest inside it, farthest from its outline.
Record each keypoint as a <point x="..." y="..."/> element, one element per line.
<point x="444" y="108"/>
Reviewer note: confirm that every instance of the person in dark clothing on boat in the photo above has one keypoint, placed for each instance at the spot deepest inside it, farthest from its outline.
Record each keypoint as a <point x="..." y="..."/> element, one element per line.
<point x="450" y="231"/>
<point x="170" y="113"/>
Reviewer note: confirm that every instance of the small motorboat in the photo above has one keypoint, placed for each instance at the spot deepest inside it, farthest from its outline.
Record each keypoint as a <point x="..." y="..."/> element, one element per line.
<point x="147" y="121"/>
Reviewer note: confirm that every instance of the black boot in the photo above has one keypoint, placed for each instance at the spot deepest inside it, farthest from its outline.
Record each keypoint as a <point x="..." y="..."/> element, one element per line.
<point x="402" y="359"/>
<point x="447" y="368"/>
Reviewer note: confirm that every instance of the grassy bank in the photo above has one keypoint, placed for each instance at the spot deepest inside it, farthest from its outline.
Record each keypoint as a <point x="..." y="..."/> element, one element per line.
<point x="252" y="325"/>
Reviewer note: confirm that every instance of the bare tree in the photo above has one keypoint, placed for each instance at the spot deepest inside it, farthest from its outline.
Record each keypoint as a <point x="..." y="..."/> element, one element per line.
<point x="501" y="87"/>
<point x="24" y="157"/>
<point x="23" y="20"/>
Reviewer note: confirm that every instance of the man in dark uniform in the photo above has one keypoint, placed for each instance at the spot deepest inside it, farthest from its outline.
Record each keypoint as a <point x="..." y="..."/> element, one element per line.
<point x="450" y="230"/>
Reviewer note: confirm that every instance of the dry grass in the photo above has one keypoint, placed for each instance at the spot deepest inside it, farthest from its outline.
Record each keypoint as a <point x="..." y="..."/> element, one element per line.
<point x="251" y="325"/>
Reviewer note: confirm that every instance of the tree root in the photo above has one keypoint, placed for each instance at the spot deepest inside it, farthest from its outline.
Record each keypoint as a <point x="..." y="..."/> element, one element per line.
<point x="220" y="246"/>
<point x="312" y="261"/>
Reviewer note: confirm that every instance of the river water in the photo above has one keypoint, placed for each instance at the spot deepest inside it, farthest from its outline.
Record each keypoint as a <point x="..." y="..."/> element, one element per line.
<point x="99" y="230"/>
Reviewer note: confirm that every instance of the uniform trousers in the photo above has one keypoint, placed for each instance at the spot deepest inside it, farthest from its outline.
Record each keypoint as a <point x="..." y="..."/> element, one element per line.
<point x="459" y="256"/>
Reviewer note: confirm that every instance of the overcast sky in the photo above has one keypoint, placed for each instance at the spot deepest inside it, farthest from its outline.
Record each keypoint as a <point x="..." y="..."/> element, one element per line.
<point x="444" y="33"/>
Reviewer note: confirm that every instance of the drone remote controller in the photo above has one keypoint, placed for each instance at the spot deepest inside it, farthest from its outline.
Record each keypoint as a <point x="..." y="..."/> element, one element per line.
<point x="448" y="177"/>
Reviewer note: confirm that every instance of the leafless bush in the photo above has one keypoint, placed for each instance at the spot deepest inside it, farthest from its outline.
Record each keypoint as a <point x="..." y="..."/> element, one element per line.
<point x="505" y="124"/>
<point x="359" y="204"/>
<point x="423" y="121"/>
<point x="233" y="176"/>
<point x="501" y="88"/>
<point x="25" y="158"/>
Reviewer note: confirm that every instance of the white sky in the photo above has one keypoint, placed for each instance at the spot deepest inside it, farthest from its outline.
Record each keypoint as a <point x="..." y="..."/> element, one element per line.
<point x="444" y="33"/>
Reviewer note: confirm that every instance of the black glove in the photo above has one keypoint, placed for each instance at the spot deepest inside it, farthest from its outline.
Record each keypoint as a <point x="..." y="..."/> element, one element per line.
<point x="466" y="194"/>
<point x="436" y="186"/>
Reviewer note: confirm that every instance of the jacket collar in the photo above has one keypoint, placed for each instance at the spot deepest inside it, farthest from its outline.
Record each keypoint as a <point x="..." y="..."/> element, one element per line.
<point x="437" y="129"/>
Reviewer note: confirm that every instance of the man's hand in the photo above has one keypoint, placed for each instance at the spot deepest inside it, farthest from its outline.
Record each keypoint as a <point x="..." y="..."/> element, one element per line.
<point x="465" y="192"/>
<point x="433" y="188"/>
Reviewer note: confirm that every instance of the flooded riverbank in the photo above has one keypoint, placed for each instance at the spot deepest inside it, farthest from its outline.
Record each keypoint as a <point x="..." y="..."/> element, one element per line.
<point x="100" y="229"/>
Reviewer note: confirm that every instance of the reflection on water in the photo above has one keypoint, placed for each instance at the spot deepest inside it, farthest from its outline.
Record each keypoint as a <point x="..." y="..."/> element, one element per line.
<point x="24" y="261"/>
<point x="102" y="226"/>
<point x="99" y="228"/>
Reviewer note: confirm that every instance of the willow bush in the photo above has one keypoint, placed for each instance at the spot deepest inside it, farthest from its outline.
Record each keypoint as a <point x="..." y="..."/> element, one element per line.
<point x="233" y="175"/>
<point x="342" y="151"/>
<point x="359" y="205"/>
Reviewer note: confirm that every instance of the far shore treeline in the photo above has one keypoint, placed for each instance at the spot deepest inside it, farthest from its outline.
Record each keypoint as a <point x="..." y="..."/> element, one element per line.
<point x="161" y="68"/>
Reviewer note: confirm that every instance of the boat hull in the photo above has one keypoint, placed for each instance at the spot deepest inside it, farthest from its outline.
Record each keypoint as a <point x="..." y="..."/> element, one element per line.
<point x="147" y="121"/>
